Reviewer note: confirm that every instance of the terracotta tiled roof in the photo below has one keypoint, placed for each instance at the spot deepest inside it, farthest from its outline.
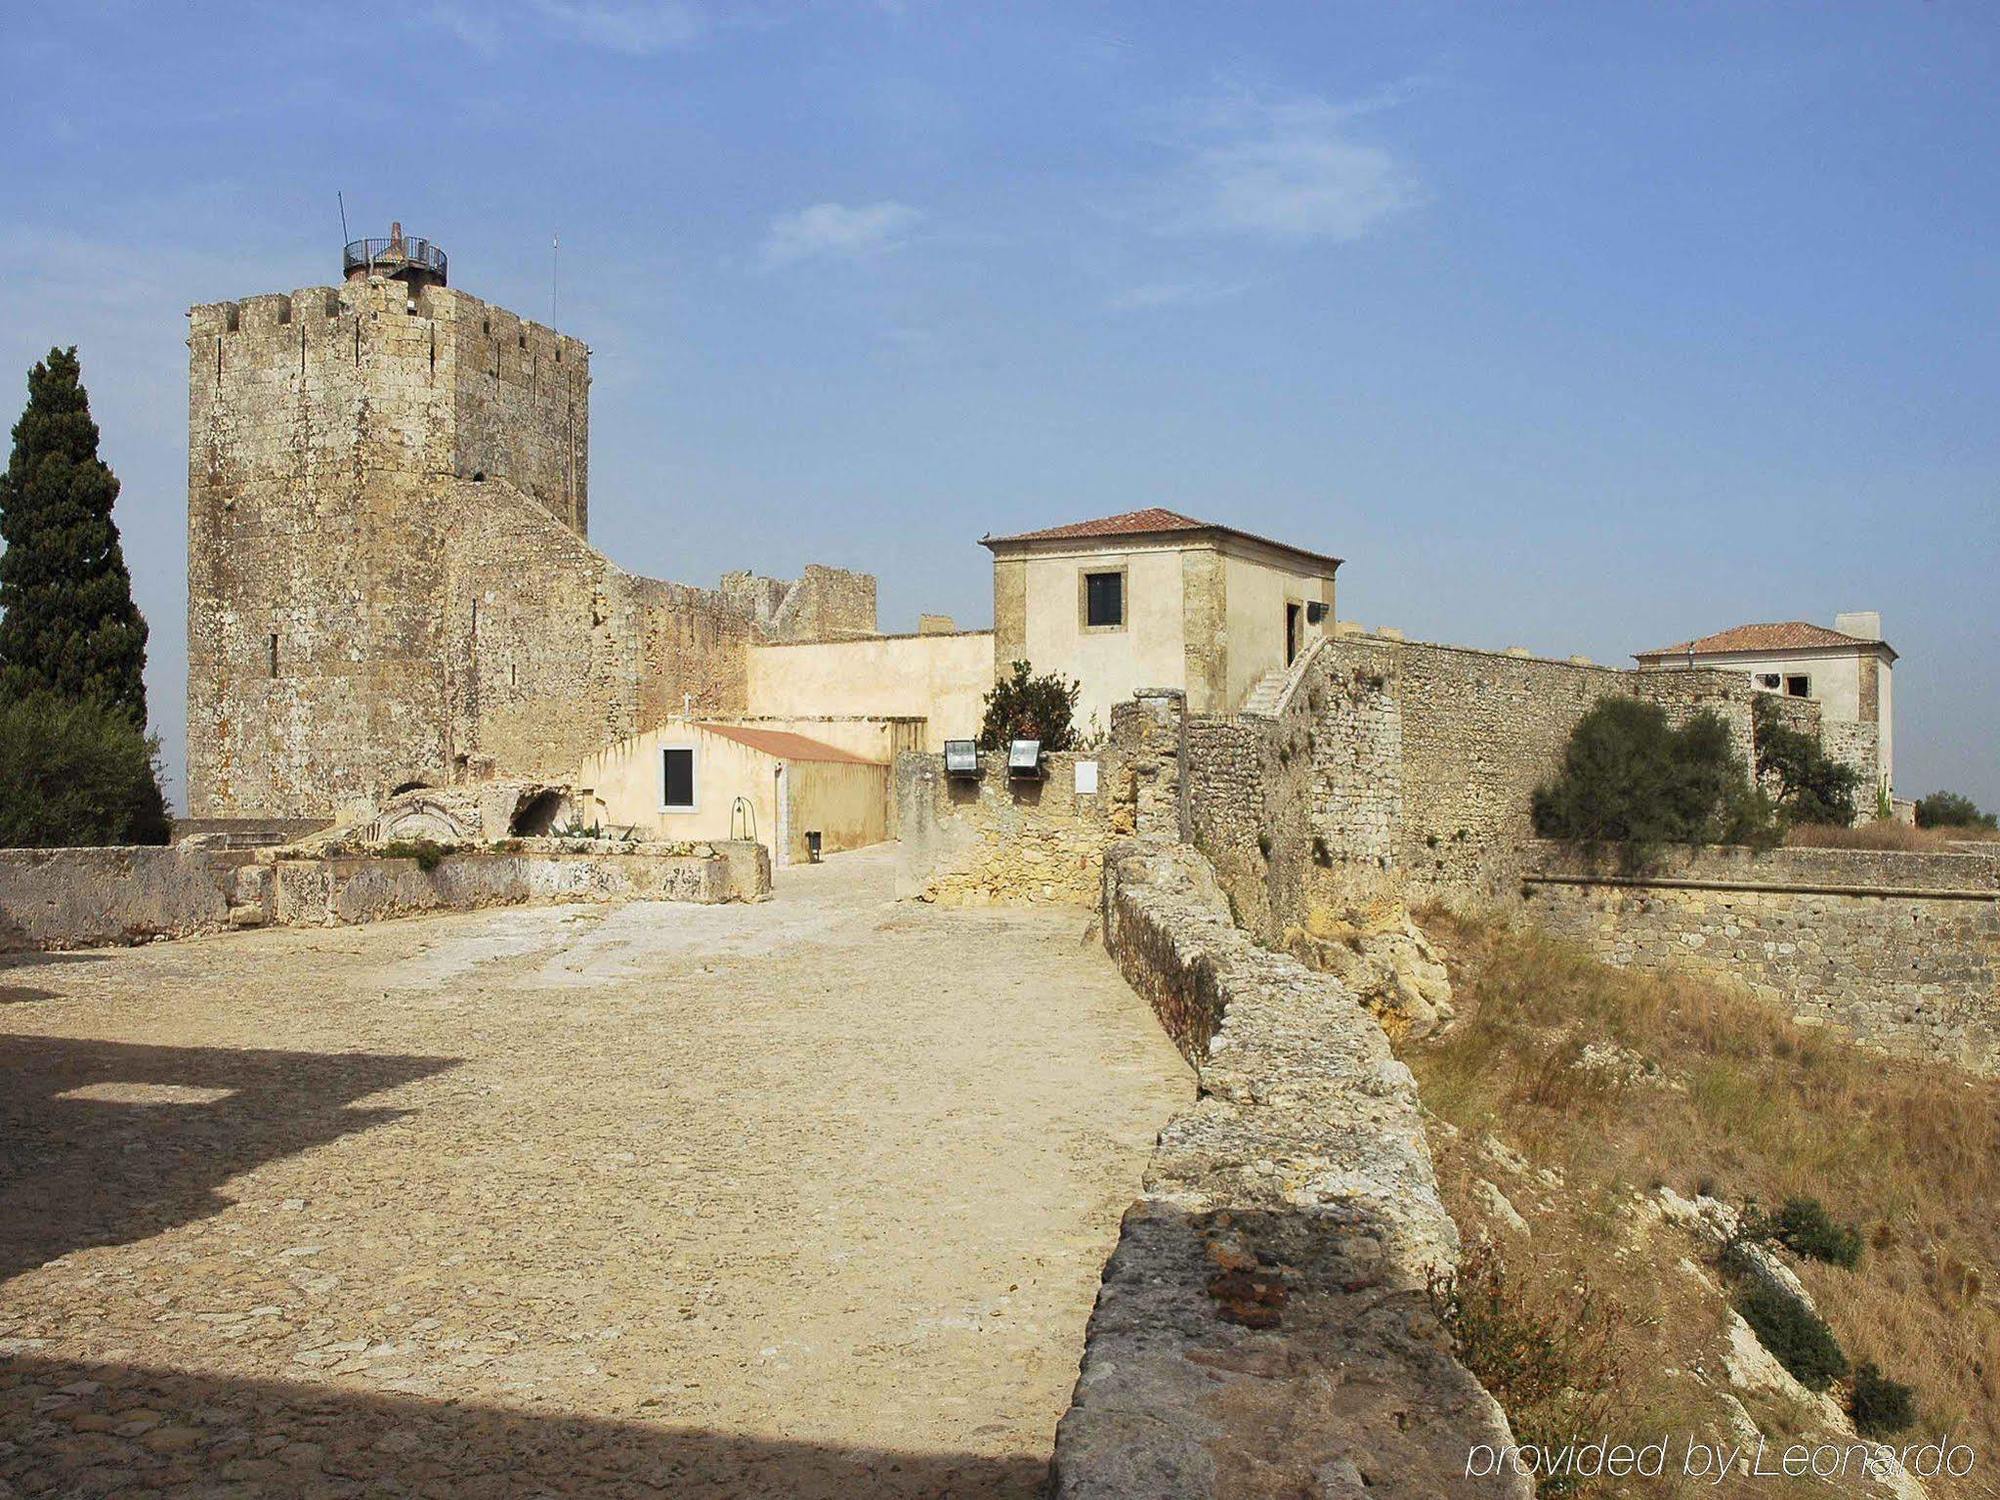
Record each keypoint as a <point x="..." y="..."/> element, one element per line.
<point x="1787" y="635"/>
<point x="1131" y="523"/>
<point x="1148" y="522"/>
<point x="785" y="745"/>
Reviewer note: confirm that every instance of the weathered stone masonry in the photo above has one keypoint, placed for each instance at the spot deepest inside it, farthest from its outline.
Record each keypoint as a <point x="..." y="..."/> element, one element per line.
<point x="1899" y="950"/>
<point x="1392" y="769"/>
<point x="1407" y="761"/>
<point x="1262" y="1329"/>
<point x="87" y="898"/>
<point x="388" y="582"/>
<point x="994" y="840"/>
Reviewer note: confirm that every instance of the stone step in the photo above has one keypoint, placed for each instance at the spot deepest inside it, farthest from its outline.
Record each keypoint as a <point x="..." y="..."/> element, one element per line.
<point x="1266" y="695"/>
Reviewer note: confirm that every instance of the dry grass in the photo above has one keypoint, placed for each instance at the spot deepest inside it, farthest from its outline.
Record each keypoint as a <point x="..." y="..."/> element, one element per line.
<point x="1720" y="1094"/>
<point x="1884" y="834"/>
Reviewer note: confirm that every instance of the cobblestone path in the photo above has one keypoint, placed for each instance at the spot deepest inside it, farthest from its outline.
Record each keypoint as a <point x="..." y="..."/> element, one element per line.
<point x="807" y="1198"/>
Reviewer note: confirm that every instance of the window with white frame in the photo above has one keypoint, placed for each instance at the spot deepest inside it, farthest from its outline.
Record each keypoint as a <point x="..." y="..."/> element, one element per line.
<point x="677" y="778"/>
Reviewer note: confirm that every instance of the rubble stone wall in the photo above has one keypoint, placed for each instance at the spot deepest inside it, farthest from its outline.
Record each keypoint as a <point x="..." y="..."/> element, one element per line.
<point x="1898" y="950"/>
<point x="993" y="839"/>
<point x="1262" y="1328"/>
<point x="1398" y="758"/>
<point x="553" y="651"/>
<point x="85" y="898"/>
<point x="1859" y="745"/>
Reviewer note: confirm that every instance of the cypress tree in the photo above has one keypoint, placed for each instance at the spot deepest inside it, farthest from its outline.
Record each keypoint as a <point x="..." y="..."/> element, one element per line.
<point x="70" y="626"/>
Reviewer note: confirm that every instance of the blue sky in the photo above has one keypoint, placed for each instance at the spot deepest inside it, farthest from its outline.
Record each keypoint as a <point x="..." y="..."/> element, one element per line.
<point x="1579" y="327"/>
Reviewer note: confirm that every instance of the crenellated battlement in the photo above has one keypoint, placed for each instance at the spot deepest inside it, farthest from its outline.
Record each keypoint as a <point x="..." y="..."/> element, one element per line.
<point x="389" y="580"/>
<point x="511" y="347"/>
<point x="509" y="398"/>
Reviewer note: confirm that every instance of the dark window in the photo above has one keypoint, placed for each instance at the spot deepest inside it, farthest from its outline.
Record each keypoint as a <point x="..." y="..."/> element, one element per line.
<point x="274" y="656"/>
<point x="1798" y="687"/>
<point x="1104" y="598"/>
<point x="678" y="772"/>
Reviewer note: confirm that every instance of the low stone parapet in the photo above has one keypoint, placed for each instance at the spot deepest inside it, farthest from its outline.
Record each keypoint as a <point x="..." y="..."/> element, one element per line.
<point x="367" y="888"/>
<point x="90" y="898"/>
<point x="81" y="898"/>
<point x="1263" y="1328"/>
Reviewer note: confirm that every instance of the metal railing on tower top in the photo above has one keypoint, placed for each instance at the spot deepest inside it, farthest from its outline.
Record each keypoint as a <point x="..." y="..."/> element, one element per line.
<point x="392" y="254"/>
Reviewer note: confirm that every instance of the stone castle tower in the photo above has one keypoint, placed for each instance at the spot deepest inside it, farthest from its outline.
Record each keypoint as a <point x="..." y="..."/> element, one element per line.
<point x="388" y="577"/>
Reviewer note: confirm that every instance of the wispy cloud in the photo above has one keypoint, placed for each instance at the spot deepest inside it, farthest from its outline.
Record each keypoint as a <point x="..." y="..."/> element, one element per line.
<point x="1189" y="293"/>
<point x="637" y="28"/>
<point x="1288" y="169"/>
<point x="837" y="231"/>
<point x="472" y="28"/>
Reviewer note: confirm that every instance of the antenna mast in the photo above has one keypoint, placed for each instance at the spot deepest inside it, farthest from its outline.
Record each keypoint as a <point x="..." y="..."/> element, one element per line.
<point x="341" y="198"/>
<point x="555" y="266"/>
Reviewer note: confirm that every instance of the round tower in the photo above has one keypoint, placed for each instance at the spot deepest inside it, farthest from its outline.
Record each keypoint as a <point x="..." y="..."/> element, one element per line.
<point x="412" y="261"/>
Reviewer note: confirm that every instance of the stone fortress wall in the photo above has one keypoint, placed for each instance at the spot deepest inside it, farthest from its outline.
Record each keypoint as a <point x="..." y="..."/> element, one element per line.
<point x="1386" y="756"/>
<point x="388" y="581"/>
<point x="995" y="839"/>
<point x="1395" y="771"/>
<point x="1899" y="950"/>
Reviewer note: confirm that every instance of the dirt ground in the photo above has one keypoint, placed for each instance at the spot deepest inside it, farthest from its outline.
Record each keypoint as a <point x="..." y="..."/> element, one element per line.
<point x="804" y="1198"/>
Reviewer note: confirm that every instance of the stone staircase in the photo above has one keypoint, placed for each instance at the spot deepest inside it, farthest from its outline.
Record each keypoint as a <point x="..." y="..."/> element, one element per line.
<point x="1267" y="695"/>
<point x="1274" y="689"/>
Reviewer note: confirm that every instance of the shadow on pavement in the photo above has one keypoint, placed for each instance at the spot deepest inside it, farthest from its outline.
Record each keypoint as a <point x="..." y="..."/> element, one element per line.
<point x="103" y="1143"/>
<point x="199" y="1434"/>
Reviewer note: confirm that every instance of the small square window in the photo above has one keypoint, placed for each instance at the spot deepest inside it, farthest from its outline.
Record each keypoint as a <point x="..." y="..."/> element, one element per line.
<point x="1103" y="599"/>
<point x="1798" y="687"/>
<point x="677" y="779"/>
<point x="1768" y="681"/>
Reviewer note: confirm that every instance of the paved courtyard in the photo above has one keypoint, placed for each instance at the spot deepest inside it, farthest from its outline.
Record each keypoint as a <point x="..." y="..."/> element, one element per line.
<point x="806" y="1198"/>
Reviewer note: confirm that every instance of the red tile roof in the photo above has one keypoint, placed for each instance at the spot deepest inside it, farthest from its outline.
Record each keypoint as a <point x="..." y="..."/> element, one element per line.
<point x="1787" y="635"/>
<point x="1131" y="523"/>
<point x="785" y="745"/>
<point x="1151" y="521"/>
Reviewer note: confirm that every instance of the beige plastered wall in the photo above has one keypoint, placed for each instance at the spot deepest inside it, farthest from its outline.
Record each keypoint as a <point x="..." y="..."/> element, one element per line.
<point x="942" y="679"/>
<point x="1112" y="663"/>
<point x="1204" y="617"/>
<point x="847" y="802"/>
<point x="1259" y="587"/>
<point x="625" y="785"/>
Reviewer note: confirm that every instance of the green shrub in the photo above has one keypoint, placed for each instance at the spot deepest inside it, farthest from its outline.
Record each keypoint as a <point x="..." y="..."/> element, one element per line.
<point x="1950" y="810"/>
<point x="1881" y="1407"/>
<point x="1797" y="1337"/>
<point x="1027" y="707"/>
<point x="1810" y="785"/>
<point x="1632" y="780"/>
<point x="428" y="853"/>
<point x="77" y="771"/>
<point x="1804" y="1227"/>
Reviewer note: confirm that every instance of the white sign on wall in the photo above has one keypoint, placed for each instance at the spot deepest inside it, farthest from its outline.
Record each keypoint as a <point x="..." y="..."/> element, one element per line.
<point x="1086" y="778"/>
